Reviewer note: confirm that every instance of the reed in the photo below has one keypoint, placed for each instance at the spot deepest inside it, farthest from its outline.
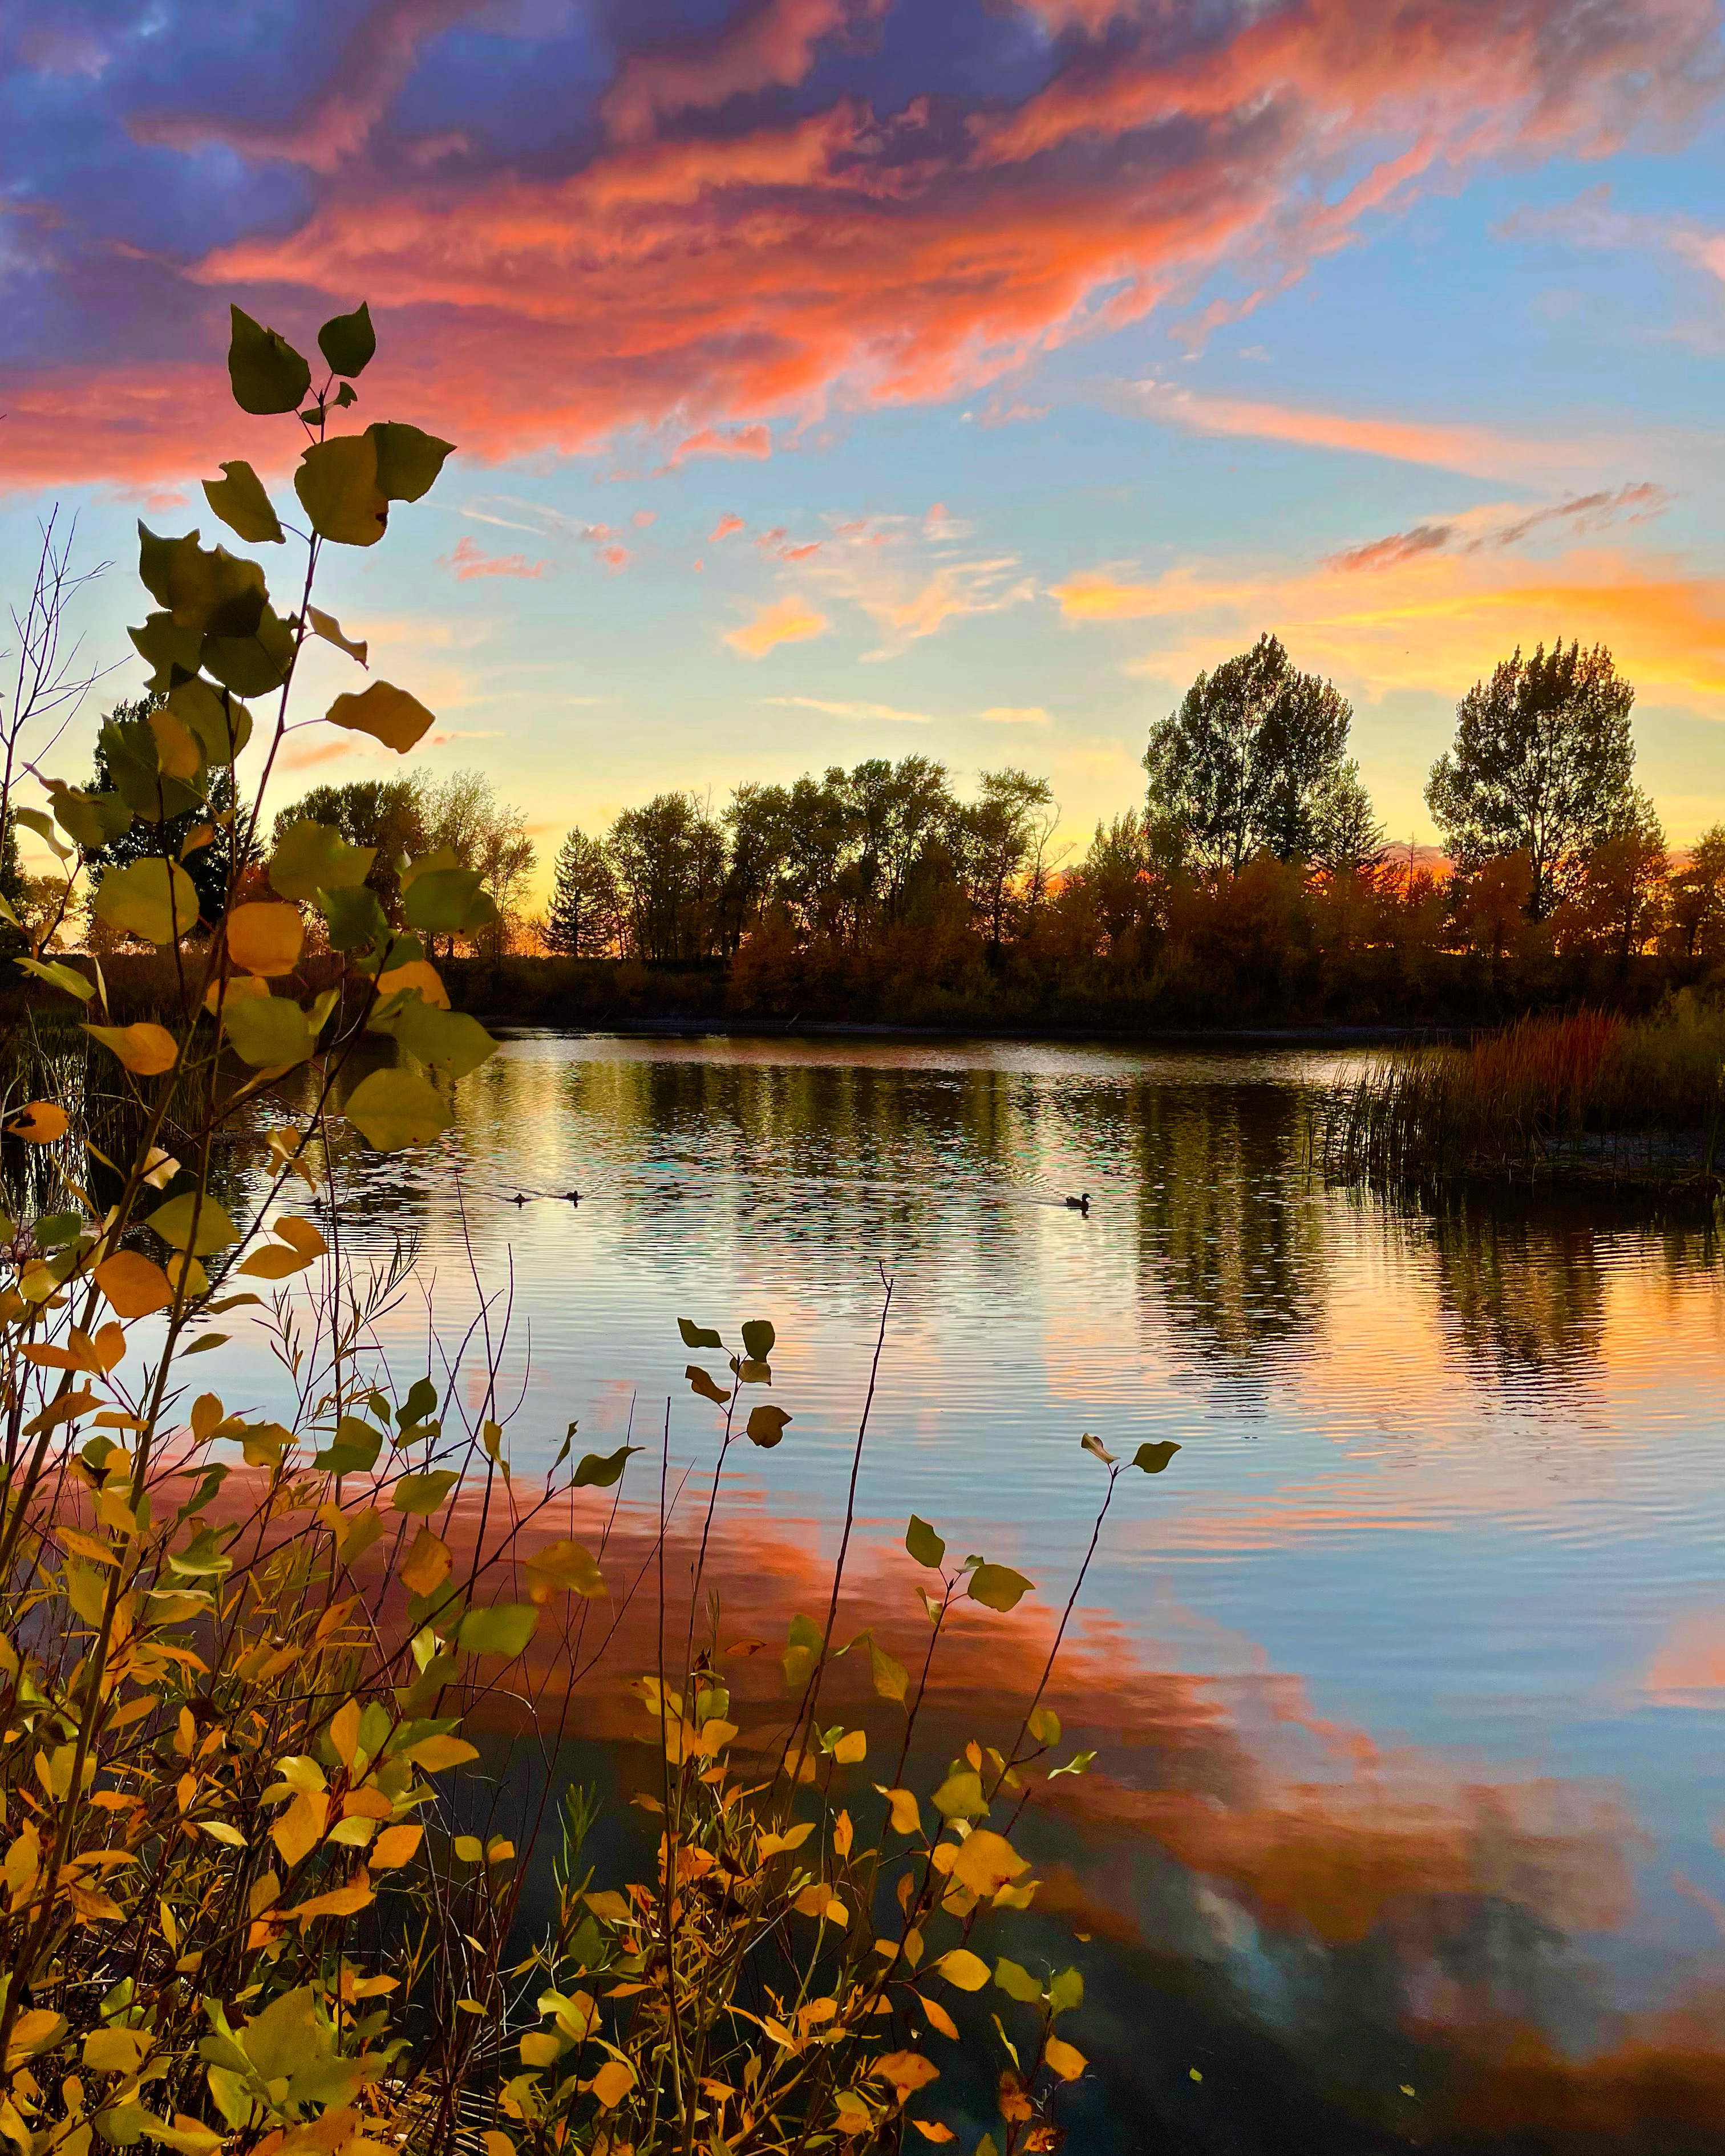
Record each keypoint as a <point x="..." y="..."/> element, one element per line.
<point x="1585" y="1093"/>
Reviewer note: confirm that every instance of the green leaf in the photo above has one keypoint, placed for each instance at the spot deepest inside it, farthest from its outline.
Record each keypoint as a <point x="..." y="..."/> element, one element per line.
<point x="703" y="1382"/>
<point x="765" y="1426"/>
<point x="354" y="917"/>
<point x="504" y="1629"/>
<point x="267" y="373"/>
<point x="91" y="819"/>
<point x="408" y="460"/>
<point x="892" y="1680"/>
<point x="387" y="714"/>
<point x="353" y="1450"/>
<point x="960" y="1796"/>
<point x="221" y="726"/>
<point x="1154" y="1458"/>
<point x="327" y="626"/>
<point x="924" y="1544"/>
<point x="239" y="498"/>
<point x="267" y="1031"/>
<point x="1066" y="1990"/>
<point x="252" y="665"/>
<point x="445" y="1040"/>
<point x="347" y="341"/>
<point x="154" y="900"/>
<point x="422" y="1495"/>
<point x="312" y="857"/>
<point x="173" y="1223"/>
<point x="1044" y="1725"/>
<point x="167" y="650"/>
<point x="203" y="588"/>
<point x="697" y="1336"/>
<point x="600" y="1470"/>
<point x="337" y="486"/>
<point x="393" y="1109"/>
<point x="758" y="1339"/>
<point x="998" y="1586"/>
<point x="1016" y="1982"/>
<point x="60" y="977"/>
<point x="443" y="900"/>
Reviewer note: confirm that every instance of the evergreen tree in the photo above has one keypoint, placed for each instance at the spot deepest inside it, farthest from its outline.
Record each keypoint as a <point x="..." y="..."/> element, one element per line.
<point x="582" y="922"/>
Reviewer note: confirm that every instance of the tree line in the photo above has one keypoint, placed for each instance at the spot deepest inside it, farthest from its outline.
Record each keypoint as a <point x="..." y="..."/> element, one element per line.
<point x="1254" y="852"/>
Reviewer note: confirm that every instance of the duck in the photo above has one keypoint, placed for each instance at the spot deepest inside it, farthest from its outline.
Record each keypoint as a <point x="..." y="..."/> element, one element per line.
<point x="573" y="1197"/>
<point x="518" y="1199"/>
<point x="1079" y="1204"/>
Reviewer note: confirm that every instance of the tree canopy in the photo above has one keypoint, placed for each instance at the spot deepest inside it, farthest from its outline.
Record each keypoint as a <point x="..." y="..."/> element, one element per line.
<point x="1248" y="761"/>
<point x="1542" y="764"/>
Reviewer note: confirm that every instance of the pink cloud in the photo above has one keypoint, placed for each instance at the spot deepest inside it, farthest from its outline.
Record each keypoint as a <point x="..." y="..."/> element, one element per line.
<point x="616" y="558"/>
<point x="789" y="620"/>
<point x="468" y="561"/>
<point x="642" y="517"/>
<point x="799" y="553"/>
<point x="698" y="284"/>
<point x="755" y="441"/>
<point x="725" y="525"/>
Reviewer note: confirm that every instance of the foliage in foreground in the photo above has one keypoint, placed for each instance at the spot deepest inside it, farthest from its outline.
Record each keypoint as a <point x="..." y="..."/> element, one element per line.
<point x="243" y="1905"/>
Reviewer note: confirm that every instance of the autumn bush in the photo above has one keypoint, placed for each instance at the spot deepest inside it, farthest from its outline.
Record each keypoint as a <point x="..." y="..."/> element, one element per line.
<point x="253" y="1672"/>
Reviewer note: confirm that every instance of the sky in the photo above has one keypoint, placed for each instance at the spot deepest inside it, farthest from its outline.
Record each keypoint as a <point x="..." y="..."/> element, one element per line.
<point x="842" y="379"/>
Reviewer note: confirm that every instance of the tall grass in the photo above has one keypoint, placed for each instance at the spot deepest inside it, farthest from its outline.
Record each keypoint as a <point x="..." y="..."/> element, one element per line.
<point x="1588" y="1092"/>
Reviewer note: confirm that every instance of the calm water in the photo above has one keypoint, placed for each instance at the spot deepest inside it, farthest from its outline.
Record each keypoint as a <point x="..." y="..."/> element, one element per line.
<point x="1407" y="1679"/>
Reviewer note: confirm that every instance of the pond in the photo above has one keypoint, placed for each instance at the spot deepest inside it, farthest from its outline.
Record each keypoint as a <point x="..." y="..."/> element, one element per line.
<point x="1406" y="1680"/>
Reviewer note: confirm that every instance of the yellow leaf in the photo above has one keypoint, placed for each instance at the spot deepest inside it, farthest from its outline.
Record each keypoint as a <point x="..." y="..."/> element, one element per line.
<point x="37" y="2029"/>
<point x="938" y="2018"/>
<point x="302" y="1235"/>
<point x="851" y="1747"/>
<point x="387" y="714"/>
<point x="148" y="1049"/>
<point x="41" y="1122"/>
<point x="562" y="1568"/>
<point x="931" y="2129"/>
<point x="265" y="938"/>
<point x="237" y="987"/>
<point x="843" y="1834"/>
<point x="176" y="749"/>
<point x="986" y="1862"/>
<point x="344" y="1730"/>
<point x="340" y="1902"/>
<point x="907" y="1818"/>
<point x="273" y="1261"/>
<point x="395" y="1845"/>
<point x="773" y="1844"/>
<point x="115" y="2051"/>
<point x="300" y="1827"/>
<point x="612" y="2082"/>
<point x="609" y="1906"/>
<point x="393" y="1109"/>
<point x="133" y="1284"/>
<point x="419" y="974"/>
<point x="969" y="1971"/>
<point x="435" y="1754"/>
<point x="327" y="626"/>
<point x="907" y="2071"/>
<point x="427" y="1564"/>
<point x="1064" y="2058"/>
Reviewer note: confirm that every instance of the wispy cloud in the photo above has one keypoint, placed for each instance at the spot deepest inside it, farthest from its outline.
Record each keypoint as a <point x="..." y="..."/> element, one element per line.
<point x="1017" y="715"/>
<point x="887" y="712"/>
<point x="468" y="562"/>
<point x="1483" y="452"/>
<point x="1594" y="220"/>
<point x="789" y="620"/>
<point x="1484" y="529"/>
<point x="755" y="441"/>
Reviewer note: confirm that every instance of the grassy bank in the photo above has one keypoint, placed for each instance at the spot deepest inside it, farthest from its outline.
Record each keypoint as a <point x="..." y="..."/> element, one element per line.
<point x="1586" y="1096"/>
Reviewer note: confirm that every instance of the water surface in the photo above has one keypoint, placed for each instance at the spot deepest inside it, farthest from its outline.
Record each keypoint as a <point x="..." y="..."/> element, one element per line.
<point x="1407" y="1679"/>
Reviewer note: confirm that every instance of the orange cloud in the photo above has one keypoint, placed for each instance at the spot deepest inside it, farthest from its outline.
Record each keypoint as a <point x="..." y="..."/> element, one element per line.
<point x="1480" y="450"/>
<point x="688" y="285"/>
<point x="789" y="620"/>
<point x="1429" y="621"/>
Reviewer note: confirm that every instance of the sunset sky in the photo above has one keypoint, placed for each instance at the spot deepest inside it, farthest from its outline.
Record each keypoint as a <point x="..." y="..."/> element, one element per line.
<point x="835" y="378"/>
